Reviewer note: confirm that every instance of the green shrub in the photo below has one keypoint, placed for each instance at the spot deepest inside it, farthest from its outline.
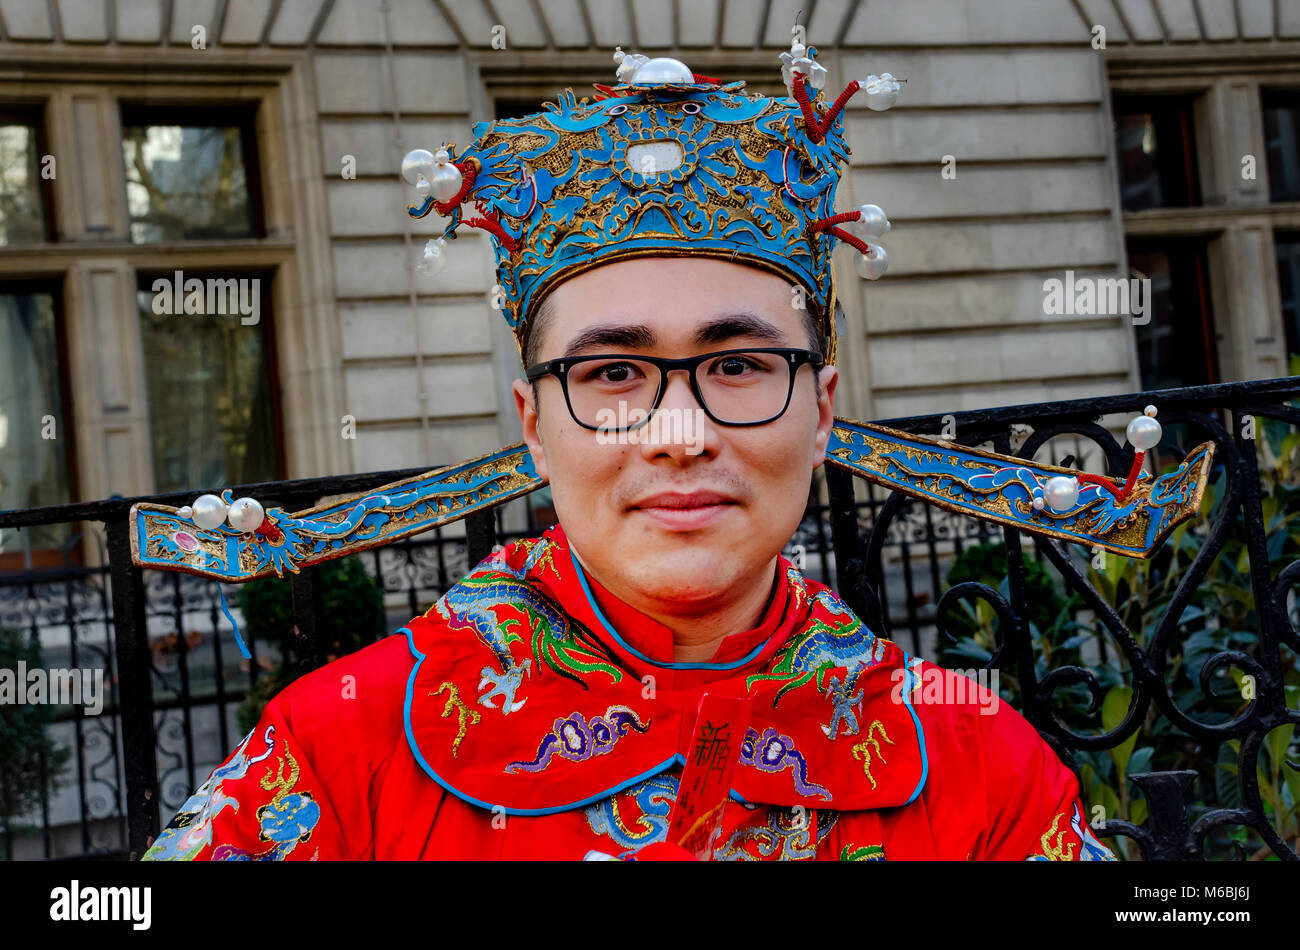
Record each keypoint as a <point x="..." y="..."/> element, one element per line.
<point x="23" y="742"/>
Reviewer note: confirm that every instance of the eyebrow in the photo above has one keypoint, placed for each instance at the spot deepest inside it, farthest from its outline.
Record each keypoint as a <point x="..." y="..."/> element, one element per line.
<point x="639" y="336"/>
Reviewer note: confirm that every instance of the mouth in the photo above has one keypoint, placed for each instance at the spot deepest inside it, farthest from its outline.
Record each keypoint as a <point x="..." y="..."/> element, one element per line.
<point x="677" y="511"/>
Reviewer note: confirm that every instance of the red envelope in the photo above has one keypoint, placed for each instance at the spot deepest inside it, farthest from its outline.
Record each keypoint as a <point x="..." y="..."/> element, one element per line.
<point x="696" y="819"/>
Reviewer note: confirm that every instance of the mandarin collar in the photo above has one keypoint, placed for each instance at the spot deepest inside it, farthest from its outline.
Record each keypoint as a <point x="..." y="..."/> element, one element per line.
<point x="645" y="646"/>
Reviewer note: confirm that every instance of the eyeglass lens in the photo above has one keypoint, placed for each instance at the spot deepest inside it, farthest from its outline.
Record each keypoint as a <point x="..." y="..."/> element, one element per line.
<point x="736" y="387"/>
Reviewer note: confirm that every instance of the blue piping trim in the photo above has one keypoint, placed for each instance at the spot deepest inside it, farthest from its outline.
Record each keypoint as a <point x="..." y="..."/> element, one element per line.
<point x="419" y="756"/>
<point x="675" y="759"/>
<point x="239" y="641"/>
<point x="920" y="733"/>
<point x="600" y="615"/>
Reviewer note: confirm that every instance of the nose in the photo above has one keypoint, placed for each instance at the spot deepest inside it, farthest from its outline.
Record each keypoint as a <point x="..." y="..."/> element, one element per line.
<point x="679" y="430"/>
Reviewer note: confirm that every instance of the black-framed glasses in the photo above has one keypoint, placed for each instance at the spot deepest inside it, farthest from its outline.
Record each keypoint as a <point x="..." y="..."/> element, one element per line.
<point x="616" y="392"/>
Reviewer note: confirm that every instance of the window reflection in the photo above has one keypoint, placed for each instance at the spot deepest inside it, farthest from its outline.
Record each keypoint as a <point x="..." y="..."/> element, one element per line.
<point x="23" y="218"/>
<point x="1288" y="279"/>
<point x="212" y="399"/>
<point x="187" y="181"/>
<point x="35" y="433"/>
<point x="1176" y="348"/>
<point x="1155" y="145"/>
<point x="1282" y="144"/>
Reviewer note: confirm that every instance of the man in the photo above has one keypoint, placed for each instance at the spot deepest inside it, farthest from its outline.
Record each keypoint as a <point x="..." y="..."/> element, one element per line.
<point x="545" y="707"/>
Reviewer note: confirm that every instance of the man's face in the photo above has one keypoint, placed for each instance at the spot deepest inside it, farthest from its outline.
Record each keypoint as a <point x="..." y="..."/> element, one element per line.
<point x="752" y="481"/>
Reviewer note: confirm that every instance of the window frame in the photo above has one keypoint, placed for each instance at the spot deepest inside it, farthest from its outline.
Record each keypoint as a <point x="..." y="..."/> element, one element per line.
<point x="15" y="112"/>
<point x="75" y="555"/>
<point x="80" y="93"/>
<point x="1270" y="92"/>
<point x="1186" y="124"/>
<point x="1235" y="217"/>
<point x="1198" y="249"/>
<point x="144" y="279"/>
<point x="221" y="113"/>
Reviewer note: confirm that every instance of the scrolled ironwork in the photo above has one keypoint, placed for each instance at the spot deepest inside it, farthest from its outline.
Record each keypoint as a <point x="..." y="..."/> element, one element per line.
<point x="1143" y="654"/>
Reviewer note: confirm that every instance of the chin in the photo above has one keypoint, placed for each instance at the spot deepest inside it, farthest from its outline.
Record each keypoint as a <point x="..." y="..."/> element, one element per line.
<point x="682" y="567"/>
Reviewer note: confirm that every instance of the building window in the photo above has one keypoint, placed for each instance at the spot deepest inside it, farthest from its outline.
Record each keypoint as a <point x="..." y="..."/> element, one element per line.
<point x="1288" y="278"/>
<point x="187" y="180"/>
<point x="1157" y="154"/>
<point x="1282" y="142"/>
<point x="35" y="430"/>
<point x="1176" y="348"/>
<point x="213" y="399"/>
<point x="24" y="180"/>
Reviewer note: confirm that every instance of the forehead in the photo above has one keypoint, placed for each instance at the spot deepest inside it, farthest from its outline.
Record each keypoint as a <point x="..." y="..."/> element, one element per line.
<point x="674" y="297"/>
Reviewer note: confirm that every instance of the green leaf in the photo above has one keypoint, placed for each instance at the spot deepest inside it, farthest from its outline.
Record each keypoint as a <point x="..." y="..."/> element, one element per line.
<point x="1103" y="795"/>
<point x="1276" y="743"/>
<point x="1226" y="783"/>
<point x="966" y="648"/>
<point x="1289" y="445"/>
<point x="1141" y="760"/>
<point x="1114" y="707"/>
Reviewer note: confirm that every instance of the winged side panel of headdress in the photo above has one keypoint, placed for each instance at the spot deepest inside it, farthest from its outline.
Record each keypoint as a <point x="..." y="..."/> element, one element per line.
<point x="1131" y="518"/>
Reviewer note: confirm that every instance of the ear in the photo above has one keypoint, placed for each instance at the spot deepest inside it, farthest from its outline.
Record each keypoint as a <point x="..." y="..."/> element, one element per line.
<point x="527" y="410"/>
<point x="829" y="376"/>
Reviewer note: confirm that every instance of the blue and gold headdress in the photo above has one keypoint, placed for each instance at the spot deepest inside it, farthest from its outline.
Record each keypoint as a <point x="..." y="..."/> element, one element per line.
<point x="666" y="163"/>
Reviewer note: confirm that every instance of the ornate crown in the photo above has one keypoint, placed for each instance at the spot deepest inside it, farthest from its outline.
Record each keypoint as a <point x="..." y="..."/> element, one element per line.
<point x="667" y="162"/>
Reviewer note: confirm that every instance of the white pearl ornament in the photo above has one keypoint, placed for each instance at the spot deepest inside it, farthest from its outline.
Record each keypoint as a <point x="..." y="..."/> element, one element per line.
<point x="446" y="179"/>
<point x="1061" y="492"/>
<point x="417" y="164"/>
<point x="872" y="222"/>
<point x="874" y="263"/>
<point x="245" y="514"/>
<point x="209" y="511"/>
<point x="435" y="257"/>
<point x="1143" y="433"/>
<point x="663" y="69"/>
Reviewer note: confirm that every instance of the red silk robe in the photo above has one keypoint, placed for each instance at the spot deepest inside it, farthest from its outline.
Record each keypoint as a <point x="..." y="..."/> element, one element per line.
<point x="530" y="714"/>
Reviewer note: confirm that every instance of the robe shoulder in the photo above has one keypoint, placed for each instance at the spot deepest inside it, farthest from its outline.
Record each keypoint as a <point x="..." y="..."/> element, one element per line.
<point x="1020" y="799"/>
<point x="357" y="695"/>
<point x="314" y="775"/>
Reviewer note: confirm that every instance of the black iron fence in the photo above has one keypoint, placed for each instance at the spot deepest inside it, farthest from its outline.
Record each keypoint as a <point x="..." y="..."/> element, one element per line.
<point x="1170" y="686"/>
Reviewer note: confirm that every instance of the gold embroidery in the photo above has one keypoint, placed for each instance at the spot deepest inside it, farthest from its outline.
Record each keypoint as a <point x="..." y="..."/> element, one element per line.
<point x="796" y="582"/>
<point x="281" y="785"/>
<point x="863" y="749"/>
<point x="289" y="818"/>
<point x="545" y="560"/>
<point x="463" y="713"/>
<point x="1056" y="851"/>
